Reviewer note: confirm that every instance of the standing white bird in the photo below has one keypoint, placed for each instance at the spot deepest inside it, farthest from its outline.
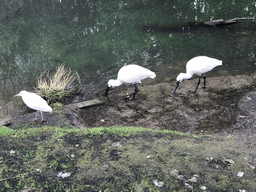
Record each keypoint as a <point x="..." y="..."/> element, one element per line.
<point x="130" y="74"/>
<point x="35" y="102"/>
<point x="197" y="65"/>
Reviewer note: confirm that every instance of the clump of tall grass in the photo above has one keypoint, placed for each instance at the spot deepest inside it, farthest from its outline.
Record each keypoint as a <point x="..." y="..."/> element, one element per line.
<point x="58" y="87"/>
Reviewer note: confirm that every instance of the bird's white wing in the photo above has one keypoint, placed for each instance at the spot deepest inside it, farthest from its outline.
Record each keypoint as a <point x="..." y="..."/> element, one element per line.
<point x="36" y="102"/>
<point x="134" y="74"/>
<point x="202" y="64"/>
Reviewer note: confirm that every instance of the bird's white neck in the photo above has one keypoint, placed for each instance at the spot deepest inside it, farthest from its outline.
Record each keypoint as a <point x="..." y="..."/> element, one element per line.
<point x="114" y="83"/>
<point x="182" y="76"/>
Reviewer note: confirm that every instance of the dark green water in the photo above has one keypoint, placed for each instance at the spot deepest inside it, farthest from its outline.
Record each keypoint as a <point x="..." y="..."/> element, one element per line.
<point x="96" y="38"/>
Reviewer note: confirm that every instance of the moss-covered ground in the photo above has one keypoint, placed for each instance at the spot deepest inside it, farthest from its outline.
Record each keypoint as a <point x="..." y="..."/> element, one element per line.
<point x="122" y="159"/>
<point x="191" y="142"/>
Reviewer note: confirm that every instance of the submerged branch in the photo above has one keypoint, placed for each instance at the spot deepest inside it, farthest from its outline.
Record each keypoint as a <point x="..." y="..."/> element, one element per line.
<point x="226" y="22"/>
<point x="162" y="27"/>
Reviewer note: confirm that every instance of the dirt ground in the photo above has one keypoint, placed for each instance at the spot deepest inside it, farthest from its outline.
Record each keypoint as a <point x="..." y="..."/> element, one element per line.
<point x="146" y="161"/>
<point x="226" y="106"/>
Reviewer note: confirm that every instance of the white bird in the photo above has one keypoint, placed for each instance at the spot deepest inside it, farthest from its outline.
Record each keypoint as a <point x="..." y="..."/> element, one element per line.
<point x="197" y="65"/>
<point x="35" y="102"/>
<point x="130" y="74"/>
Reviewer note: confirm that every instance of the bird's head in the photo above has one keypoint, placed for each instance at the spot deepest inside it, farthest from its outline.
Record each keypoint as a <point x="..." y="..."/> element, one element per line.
<point x="21" y="93"/>
<point x="112" y="83"/>
<point x="153" y="75"/>
<point x="180" y="77"/>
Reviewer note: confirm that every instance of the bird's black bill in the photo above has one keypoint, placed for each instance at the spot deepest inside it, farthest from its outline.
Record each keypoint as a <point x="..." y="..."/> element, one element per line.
<point x="177" y="85"/>
<point x="106" y="92"/>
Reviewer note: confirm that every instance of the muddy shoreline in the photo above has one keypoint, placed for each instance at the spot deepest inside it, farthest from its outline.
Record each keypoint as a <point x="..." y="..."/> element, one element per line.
<point x="220" y="109"/>
<point x="213" y="148"/>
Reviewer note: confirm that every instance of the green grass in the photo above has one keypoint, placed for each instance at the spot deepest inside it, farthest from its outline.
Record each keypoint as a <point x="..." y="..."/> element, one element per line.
<point x="6" y="131"/>
<point x="54" y="88"/>
<point x="58" y="107"/>
<point x="125" y="130"/>
<point x="58" y="132"/>
<point x="229" y="137"/>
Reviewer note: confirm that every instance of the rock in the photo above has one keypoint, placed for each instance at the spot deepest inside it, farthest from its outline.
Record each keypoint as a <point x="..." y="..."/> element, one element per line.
<point x="240" y="174"/>
<point x="228" y="161"/>
<point x="116" y="144"/>
<point x="158" y="183"/>
<point x="106" y="166"/>
<point x="5" y="122"/>
<point x="247" y="103"/>
<point x="72" y="155"/>
<point x="84" y="104"/>
<point x="63" y="175"/>
<point x="188" y="186"/>
<point x="251" y="166"/>
<point x="193" y="180"/>
<point x="174" y="172"/>
<point x="154" y="110"/>
<point x="114" y="154"/>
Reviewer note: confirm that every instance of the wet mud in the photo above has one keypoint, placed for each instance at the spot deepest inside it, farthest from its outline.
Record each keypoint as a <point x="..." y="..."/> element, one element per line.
<point x="224" y="107"/>
<point x="216" y="110"/>
<point x="213" y="150"/>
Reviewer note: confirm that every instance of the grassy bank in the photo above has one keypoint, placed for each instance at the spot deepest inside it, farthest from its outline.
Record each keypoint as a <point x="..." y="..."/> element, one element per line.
<point x="121" y="159"/>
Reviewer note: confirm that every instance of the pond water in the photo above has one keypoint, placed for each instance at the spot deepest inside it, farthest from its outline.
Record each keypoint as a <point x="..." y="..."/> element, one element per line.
<point x="96" y="38"/>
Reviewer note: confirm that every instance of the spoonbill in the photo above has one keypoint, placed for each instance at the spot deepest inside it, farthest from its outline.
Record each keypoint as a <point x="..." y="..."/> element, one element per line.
<point x="35" y="102"/>
<point x="130" y="74"/>
<point x="197" y="65"/>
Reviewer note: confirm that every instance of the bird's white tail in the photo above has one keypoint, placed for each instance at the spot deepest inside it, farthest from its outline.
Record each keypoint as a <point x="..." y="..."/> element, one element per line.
<point x="217" y="62"/>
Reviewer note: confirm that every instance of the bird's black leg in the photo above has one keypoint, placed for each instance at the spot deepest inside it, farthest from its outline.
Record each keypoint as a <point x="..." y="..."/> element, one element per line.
<point x="198" y="83"/>
<point x="136" y="90"/>
<point x="106" y="92"/>
<point x="177" y="85"/>
<point x="204" y="81"/>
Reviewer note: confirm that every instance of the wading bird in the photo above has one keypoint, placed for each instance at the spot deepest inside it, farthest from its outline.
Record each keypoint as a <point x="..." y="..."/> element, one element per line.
<point x="130" y="74"/>
<point x="197" y="65"/>
<point x="35" y="102"/>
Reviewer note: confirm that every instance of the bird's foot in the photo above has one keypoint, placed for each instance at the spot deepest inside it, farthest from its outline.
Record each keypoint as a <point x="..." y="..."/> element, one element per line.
<point x="105" y="94"/>
<point x="43" y="120"/>
<point x="127" y="98"/>
<point x="35" y="119"/>
<point x="204" y="88"/>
